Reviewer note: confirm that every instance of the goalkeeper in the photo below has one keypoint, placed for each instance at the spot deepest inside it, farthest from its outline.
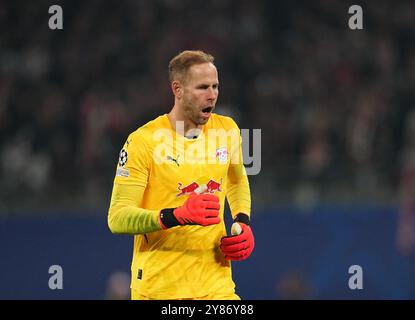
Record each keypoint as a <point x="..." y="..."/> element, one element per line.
<point x="172" y="178"/>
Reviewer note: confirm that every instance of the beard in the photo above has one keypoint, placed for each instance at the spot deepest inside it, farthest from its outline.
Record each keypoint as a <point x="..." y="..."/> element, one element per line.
<point x="193" y="113"/>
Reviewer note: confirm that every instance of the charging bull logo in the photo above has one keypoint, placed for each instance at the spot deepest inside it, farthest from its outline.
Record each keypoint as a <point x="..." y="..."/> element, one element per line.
<point x="187" y="189"/>
<point x="211" y="187"/>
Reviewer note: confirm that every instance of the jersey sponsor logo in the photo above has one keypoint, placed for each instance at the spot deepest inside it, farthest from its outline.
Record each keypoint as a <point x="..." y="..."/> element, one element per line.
<point x="187" y="189"/>
<point x="211" y="187"/>
<point x="123" y="158"/>
<point x="222" y="154"/>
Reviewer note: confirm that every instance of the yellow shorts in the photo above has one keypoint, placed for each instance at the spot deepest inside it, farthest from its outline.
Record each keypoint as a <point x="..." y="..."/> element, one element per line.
<point x="136" y="296"/>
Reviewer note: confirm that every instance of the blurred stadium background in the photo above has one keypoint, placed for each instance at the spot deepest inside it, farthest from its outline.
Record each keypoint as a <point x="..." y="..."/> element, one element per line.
<point x="336" y="109"/>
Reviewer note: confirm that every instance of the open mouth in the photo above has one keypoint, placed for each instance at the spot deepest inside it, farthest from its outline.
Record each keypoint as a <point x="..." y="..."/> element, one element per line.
<point x="207" y="110"/>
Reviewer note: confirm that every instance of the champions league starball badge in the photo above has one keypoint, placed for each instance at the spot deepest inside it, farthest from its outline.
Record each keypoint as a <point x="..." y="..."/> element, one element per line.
<point x="123" y="158"/>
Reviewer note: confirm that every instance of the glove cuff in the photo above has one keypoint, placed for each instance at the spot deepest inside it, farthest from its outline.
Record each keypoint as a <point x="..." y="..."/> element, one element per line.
<point x="243" y="218"/>
<point x="167" y="218"/>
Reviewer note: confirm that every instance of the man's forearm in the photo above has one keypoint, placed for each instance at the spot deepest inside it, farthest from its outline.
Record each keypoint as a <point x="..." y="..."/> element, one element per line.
<point x="132" y="220"/>
<point x="125" y="215"/>
<point x="239" y="197"/>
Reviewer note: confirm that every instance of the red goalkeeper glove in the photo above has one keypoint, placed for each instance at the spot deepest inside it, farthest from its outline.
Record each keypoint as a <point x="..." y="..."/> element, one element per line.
<point x="239" y="247"/>
<point x="199" y="209"/>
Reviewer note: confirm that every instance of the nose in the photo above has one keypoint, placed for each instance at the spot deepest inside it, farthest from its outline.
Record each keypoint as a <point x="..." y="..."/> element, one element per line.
<point x="212" y="94"/>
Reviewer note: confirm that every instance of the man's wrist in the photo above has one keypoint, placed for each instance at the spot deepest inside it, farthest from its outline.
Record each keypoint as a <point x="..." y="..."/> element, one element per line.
<point x="167" y="218"/>
<point x="243" y="218"/>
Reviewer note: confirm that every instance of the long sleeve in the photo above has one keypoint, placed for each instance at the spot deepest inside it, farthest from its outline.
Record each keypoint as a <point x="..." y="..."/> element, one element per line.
<point x="125" y="215"/>
<point x="239" y="195"/>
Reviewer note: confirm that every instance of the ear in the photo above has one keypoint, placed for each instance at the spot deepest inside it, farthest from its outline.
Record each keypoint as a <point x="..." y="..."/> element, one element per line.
<point x="177" y="89"/>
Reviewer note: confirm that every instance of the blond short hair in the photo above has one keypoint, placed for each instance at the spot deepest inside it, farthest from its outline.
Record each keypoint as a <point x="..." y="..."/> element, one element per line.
<point x="181" y="63"/>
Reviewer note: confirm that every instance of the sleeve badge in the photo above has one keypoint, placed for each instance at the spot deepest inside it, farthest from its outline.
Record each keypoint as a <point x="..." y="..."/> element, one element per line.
<point x="123" y="158"/>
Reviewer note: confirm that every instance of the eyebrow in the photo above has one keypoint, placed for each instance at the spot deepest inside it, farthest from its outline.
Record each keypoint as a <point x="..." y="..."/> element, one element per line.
<point x="207" y="85"/>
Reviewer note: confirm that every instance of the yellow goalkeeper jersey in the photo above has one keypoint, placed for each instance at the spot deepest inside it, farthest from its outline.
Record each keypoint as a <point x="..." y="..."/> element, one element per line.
<point x="184" y="261"/>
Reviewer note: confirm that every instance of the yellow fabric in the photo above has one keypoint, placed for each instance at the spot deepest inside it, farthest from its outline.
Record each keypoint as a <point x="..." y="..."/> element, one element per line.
<point x="184" y="261"/>
<point x="125" y="215"/>
<point x="136" y="296"/>
<point x="238" y="196"/>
